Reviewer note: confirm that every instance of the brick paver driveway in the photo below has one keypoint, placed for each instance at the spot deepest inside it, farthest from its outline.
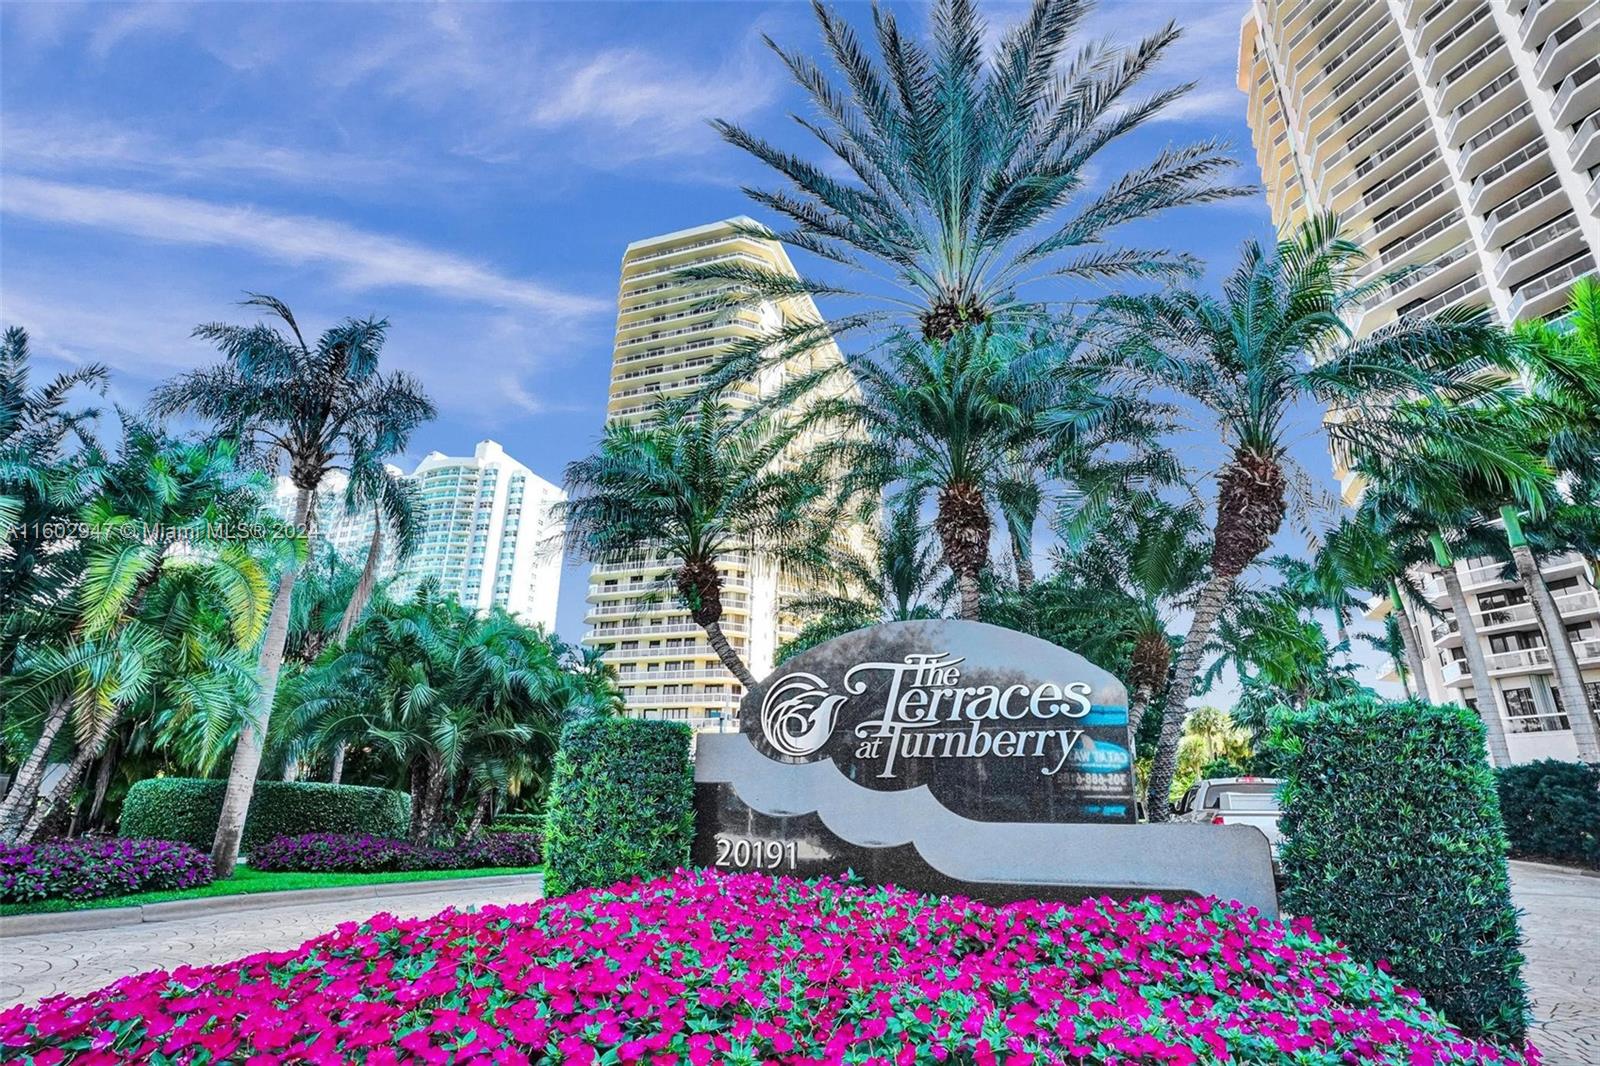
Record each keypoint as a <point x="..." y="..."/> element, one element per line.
<point x="1561" y="923"/>
<point x="32" y="967"/>
<point x="1560" y="930"/>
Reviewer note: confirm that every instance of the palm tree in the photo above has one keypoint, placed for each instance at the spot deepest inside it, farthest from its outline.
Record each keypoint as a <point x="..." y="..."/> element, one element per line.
<point x="1562" y="366"/>
<point x="159" y="563"/>
<point x="898" y="578"/>
<point x="691" y="486"/>
<point x="967" y="180"/>
<point x="1275" y="338"/>
<point x="456" y="702"/>
<point x="392" y="500"/>
<point x="43" y="441"/>
<point x="314" y="408"/>
<point x="1154" y="553"/>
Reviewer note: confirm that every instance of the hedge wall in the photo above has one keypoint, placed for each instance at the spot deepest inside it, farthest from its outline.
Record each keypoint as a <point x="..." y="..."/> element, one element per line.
<point x="621" y="803"/>
<point x="187" y="809"/>
<point x="1552" y="811"/>
<point x="1393" y="843"/>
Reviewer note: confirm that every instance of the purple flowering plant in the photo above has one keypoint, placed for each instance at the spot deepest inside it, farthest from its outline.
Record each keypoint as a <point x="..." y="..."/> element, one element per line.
<point x="95" y="867"/>
<point x="352" y="853"/>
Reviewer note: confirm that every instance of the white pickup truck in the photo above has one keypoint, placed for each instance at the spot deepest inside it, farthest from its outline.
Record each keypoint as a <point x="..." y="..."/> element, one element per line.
<point x="1235" y="801"/>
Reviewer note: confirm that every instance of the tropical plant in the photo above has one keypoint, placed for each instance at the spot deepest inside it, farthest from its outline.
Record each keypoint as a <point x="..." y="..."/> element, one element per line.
<point x="42" y="442"/>
<point x="967" y="175"/>
<point x="456" y="704"/>
<point x="1276" y="336"/>
<point x="392" y="500"/>
<point x="1561" y="362"/>
<point x="169" y="596"/>
<point x="1210" y="735"/>
<point x="1154" y="553"/>
<point x="314" y="408"/>
<point x="1281" y="654"/>
<point x="897" y="578"/>
<point x="690" y="487"/>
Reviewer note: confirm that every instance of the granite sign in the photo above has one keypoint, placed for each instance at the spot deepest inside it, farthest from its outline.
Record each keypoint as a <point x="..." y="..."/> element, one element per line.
<point x="955" y="757"/>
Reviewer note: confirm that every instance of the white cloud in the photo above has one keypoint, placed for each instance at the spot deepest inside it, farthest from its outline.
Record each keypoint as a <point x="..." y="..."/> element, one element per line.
<point x="124" y="22"/>
<point x="68" y="145"/>
<point x="361" y="260"/>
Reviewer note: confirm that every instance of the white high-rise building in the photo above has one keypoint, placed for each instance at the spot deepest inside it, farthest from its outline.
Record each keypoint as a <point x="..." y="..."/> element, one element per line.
<point x="667" y="339"/>
<point x="1462" y="138"/>
<point x="489" y="532"/>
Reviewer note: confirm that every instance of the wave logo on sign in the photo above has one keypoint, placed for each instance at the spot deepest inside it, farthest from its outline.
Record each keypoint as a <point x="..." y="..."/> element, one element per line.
<point x="798" y="714"/>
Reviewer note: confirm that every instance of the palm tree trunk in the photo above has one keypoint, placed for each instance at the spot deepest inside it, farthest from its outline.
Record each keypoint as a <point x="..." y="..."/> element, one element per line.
<point x="480" y="813"/>
<point x="102" y="781"/>
<point x="432" y="795"/>
<point x="730" y="658"/>
<point x="1569" y="675"/>
<point x="1022" y="558"/>
<point x="1401" y="671"/>
<point x="1408" y="637"/>
<point x="963" y="526"/>
<point x="368" y="581"/>
<point x="19" y="801"/>
<point x="1488" y="706"/>
<point x="1207" y="608"/>
<point x="1342" y="629"/>
<point x="336" y="774"/>
<point x="247" y="752"/>
<point x="68" y="781"/>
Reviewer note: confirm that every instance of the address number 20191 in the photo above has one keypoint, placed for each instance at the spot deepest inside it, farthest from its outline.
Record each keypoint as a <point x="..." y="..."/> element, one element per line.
<point x="756" y="854"/>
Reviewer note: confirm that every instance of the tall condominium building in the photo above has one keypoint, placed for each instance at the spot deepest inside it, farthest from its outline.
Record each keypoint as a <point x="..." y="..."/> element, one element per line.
<point x="666" y="341"/>
<point x="490" y="532"/>
<point x="1462" y="138"/>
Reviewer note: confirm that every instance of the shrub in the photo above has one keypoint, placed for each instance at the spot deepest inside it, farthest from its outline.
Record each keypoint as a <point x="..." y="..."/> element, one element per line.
<point x="187" y="809"/>
<point x="335" y="853"/>
<point x="94" y="867"/>
<point x="1552" y="811"/>
<point x="1394" y="845"/>
<point x="621" y="803"/>
<point x="713" y="968"/>
<point x="518" y="823"/>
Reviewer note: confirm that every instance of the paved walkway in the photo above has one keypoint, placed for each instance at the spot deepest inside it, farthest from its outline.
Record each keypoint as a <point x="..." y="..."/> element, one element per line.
<point x="1560" y="930"/>
<point x="32" y="967"/>
<point x="1561" y="925"/>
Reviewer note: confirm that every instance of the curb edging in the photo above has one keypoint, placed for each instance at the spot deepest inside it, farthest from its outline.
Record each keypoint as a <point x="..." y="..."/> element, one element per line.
<point x="176" y="910"/>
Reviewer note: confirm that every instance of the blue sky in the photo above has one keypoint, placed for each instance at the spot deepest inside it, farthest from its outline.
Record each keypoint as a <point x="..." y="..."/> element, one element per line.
<point x="471" y="172"/>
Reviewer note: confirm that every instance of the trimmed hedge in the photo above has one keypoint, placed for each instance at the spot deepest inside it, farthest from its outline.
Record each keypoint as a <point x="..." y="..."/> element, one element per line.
<point x="621" y="803"/>
<point x="518" y="823"/>
<point x="1552" y="811"/>
<point x="342" y="853"/>
<point x="1393" y="844"/>
<point x="187" y="809"/>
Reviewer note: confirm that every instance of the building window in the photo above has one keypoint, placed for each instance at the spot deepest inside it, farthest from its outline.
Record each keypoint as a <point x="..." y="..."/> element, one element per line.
<point x="1523" y="716"/>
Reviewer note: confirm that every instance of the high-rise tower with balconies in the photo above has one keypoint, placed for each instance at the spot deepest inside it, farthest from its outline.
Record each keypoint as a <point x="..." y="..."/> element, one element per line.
<point x="1460" y="138"/>
<point x="667" y="340"/>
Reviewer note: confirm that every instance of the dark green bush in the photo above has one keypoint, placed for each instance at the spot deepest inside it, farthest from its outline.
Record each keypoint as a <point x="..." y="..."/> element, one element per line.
<point x="518" y="823"/>
<point x="621" y="803"/>
<point x="1552" y="811"/>
<point x="187" y="809"/>
<point x="1393" y="844"/>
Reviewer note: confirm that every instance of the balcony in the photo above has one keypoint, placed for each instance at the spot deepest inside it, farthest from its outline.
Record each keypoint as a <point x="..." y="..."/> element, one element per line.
<point x="1568" y="45"/>
<point x="1579" y="94"/>
<point x="1407" y="211"/>
<point x="1466" y="32"/>
<point x="1522" y="212"/>
<point x="1539" y="18"/>
<point x="1593" y="195"/>
<point x="1412" y="283"/>
<point x="1517" y="171"/>
<point x="1499" y="139"/>
<point x="1481" y="66"/>
<point x="1429" y="21"/>
<point x="1547" y="293"/>
<point x="1586" y="142"/>
<point x="1415" y="243"/>
<point x="1373" y="166"/>
<point x="1461" y="292"/>
<point x="1522" y="661"/>
<point x="1554" y="242"/>
<point x="1456" y="673"/>
<point x="1476" y="112"/>
<point x="1401" y="182"/>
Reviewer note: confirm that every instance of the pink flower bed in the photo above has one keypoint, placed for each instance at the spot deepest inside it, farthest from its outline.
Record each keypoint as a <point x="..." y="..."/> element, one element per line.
<point x="701" y="968"/>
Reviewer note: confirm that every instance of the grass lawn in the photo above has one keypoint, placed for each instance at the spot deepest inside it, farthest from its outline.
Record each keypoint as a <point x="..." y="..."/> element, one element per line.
<point x="246" y="881"/>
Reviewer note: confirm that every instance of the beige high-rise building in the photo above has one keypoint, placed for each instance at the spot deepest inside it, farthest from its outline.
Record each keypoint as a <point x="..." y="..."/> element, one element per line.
<point x="1460" y="137"/>
<point x="667" y="340"/>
